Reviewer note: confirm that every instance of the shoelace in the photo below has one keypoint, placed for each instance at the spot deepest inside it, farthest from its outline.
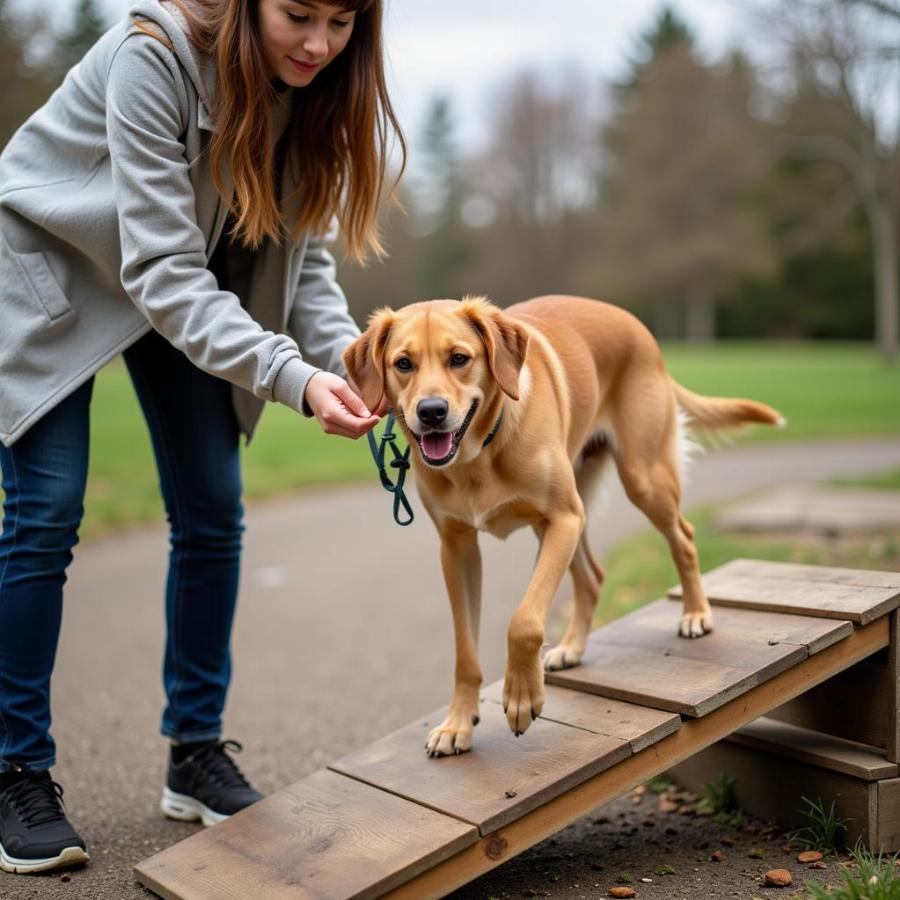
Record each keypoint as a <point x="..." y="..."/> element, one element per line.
<point x="36" y="799"/>
<point x="219" y="765"/>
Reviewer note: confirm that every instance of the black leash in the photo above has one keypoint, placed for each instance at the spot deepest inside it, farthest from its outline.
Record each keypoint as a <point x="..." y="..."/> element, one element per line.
<point x="400" y="462"/>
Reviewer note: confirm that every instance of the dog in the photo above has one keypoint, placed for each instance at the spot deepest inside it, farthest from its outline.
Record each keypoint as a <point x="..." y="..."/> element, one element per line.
<point x="512" y="414"/>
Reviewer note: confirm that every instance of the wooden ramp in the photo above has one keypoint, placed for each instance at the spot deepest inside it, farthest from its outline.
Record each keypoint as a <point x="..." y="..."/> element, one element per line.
<point x="387" y="820"/>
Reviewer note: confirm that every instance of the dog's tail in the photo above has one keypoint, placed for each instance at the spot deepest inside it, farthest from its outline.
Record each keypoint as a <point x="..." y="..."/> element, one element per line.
<point x="715" y="413"/>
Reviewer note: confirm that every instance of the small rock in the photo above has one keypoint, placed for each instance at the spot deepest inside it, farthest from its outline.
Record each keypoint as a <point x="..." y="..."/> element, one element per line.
<point x="687" y="810"/>
<point x="756" y="853"/>
<point x="640" y="789"/>
<point x="510" y="794"/>
<point x="809" y="856"/>
<point x="717" y="856"/>
<point x="637" y="798"/>
<point x="667" y="806"/>
<point x="622" y="892"/>
<point x="65" y="878"/>
<point x="818" y="865"/>
<point x="646" y="881"/>
<point x="729" y="841"/>
<point x="778" y="878"/>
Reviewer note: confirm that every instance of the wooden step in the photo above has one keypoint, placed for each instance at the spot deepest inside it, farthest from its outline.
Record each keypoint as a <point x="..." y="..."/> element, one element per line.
<point x="857" y="595"/>
<point x="862" y="761"/>
<point x="641" y="659"/>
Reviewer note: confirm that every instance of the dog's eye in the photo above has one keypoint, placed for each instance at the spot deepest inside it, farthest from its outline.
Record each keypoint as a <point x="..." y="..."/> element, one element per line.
<point x="458" y="360"/>
<point x="404" y="364"/>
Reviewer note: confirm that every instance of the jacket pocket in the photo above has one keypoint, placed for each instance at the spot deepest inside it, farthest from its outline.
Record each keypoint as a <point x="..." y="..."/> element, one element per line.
<point x="39" y="276"/>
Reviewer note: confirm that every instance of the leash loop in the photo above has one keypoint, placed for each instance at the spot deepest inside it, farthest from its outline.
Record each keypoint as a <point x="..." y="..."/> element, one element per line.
<point x="400" y="462"/>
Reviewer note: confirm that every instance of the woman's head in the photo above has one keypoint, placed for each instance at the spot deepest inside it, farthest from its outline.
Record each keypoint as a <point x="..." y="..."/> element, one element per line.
<point x="342" y="118"/>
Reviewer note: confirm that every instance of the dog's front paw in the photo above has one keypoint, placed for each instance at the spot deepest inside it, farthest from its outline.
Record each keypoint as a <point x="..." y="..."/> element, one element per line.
<point x="562" y="656"/>
<point x="694" y="625"/>
<point x="523" y="696"/>
<point x="453" y="735"/>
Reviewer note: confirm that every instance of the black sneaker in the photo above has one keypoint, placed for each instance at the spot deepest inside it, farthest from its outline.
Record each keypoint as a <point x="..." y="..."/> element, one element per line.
<point x="207" y="785"/>
<point x="34" y="832"/>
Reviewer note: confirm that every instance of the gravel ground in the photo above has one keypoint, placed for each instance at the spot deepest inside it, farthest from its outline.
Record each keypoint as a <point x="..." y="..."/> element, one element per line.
<point x="664" y="855"/>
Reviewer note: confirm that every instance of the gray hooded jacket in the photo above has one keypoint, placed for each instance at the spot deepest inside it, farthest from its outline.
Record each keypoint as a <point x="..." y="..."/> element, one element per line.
<point x="108" y="218"/>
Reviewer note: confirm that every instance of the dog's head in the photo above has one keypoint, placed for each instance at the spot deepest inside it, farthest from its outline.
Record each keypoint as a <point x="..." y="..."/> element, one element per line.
<point x="440" y="363"/>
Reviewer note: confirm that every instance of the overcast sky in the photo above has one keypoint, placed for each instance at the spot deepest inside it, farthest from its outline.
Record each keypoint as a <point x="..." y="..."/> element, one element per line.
<point x="464" y="47"/>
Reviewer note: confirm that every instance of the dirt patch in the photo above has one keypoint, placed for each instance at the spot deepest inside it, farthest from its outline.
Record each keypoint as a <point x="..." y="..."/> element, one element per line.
<point x="631" y="839"/>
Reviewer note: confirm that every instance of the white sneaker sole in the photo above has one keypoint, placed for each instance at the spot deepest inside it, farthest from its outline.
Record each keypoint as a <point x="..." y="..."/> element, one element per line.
<point x="188" y="809"/>
<point x="70" y="856"/>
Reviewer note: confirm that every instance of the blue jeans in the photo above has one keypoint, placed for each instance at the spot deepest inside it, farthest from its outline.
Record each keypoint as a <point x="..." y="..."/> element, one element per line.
<point x="196" y="444"/>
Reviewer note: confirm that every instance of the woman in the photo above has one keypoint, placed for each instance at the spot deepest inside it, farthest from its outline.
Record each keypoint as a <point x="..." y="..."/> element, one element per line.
<point x="170" y="202"/>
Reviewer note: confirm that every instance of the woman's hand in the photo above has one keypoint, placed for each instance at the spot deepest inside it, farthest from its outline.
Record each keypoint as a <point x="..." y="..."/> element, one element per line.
<point x="337" y="407"/>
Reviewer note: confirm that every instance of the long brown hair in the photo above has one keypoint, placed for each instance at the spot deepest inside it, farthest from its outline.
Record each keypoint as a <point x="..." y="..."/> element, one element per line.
<point x="339" y="135"/>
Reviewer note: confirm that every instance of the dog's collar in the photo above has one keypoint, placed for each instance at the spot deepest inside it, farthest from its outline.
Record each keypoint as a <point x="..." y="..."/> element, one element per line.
<point x="494" y="430"/>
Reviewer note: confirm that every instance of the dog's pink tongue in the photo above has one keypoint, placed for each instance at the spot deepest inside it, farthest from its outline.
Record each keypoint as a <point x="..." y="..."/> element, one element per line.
<point x="437" y="444"/>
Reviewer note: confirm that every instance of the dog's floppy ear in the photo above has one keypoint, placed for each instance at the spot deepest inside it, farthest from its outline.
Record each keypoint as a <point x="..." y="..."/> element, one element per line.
<point x="364" y="358"/>
<point x="505" y="340"/>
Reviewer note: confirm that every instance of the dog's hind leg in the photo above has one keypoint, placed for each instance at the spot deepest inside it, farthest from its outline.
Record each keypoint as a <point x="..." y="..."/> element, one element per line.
<point x="587" y="574"/>
<point x="648" y="464"/>
<point x="461" y="562"/>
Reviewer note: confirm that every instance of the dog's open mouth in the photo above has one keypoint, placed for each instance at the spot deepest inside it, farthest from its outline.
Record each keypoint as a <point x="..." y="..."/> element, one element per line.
<point x="439" y="447"/>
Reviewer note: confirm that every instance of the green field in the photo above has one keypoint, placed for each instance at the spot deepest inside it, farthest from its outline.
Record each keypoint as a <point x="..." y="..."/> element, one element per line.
<point x="824" y="390"/>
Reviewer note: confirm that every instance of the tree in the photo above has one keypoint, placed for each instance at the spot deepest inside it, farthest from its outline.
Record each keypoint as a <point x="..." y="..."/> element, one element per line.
<point x="680" y="224"/>
<point x="841" y="58"/>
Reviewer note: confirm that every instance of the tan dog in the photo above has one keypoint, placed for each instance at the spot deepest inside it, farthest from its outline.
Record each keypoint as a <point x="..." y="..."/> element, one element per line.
<point x="513" y="414"/>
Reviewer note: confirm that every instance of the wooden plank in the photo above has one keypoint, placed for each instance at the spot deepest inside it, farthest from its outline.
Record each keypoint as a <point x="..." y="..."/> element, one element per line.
<point x="327" y="836"/>
<point x="693" y="736"/>
<point x="893" y="704"/>
<point x="834" y="753"/>
<point x="852" y="704"/>
<point x="888" y="835"/>
<point x="639" y="725"/>
<point x="640" y="658"/>
<point x="772" y="788"/>
<point x="858" y="595"/>
<point x="499" y="780"/>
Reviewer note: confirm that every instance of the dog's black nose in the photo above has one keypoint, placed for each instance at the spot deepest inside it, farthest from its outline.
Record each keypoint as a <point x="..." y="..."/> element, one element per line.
<point x="432" y="411"/>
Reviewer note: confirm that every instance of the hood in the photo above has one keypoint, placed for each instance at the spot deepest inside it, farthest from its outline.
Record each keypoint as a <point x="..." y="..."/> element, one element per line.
<point x="200" y="68"/>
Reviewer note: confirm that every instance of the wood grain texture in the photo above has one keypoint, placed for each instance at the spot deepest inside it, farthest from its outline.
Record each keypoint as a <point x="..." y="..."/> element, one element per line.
<point x="639" y="725"/>
<point x="495" y="849"/>
<point x="858" y="595"/>
<point x="836" y="754"/>
<point x="325" y="837"/>
<point x="499" y="780"/>
<point x="888" y="835"/>
<point x="640" y="658"/>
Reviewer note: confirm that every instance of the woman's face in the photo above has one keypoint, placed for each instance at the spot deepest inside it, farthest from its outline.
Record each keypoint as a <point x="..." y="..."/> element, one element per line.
<point x="300" y="37"/>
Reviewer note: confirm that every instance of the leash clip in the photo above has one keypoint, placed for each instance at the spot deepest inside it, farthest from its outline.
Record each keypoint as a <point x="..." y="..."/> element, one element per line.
<point x="400" y="462"/>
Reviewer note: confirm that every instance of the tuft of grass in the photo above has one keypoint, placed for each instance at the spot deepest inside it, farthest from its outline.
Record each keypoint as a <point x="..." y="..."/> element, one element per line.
<point x="665" y="870"/>
<point x="625" y="878"/>
<point x="824" y="828"/>
<point x="875" y="877"/>
<point x="658" y="785"/>
<point x="717" y="796"/>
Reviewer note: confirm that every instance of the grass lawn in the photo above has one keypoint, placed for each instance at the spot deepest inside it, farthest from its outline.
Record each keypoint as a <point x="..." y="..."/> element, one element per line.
<point x="640" y="570"/>
<point x="824" y="390"/>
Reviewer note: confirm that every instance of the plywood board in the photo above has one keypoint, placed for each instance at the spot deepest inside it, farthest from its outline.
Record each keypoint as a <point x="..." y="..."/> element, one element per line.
<point x="858" y="595"/>
<point x="813" y="747"/>
<point x="641" y="726"/>
<point x="327" y="837"/>
<point x="496" y="782"/>
<point x="641" y="659"/>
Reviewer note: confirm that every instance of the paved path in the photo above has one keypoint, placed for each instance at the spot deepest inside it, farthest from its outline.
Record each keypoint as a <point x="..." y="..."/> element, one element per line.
<point x="343" y="635"/>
